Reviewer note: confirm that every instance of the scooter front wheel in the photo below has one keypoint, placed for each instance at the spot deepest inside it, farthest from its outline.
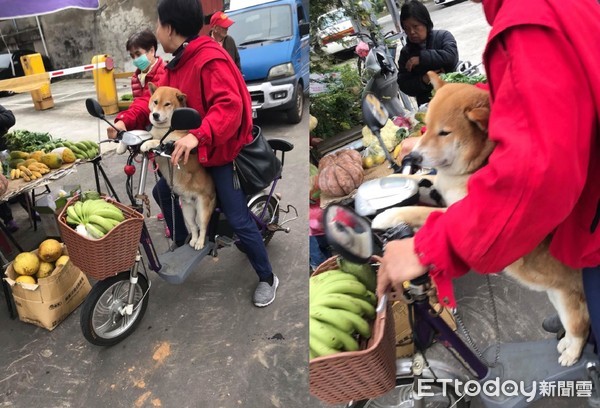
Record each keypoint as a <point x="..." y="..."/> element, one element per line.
<point x="402" y="397"/>
<point x="103" y="320"/>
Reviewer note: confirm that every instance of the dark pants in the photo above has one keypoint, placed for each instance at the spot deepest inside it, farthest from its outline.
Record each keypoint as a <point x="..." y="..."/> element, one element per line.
<point x="162" y="195"/>
<point x="591" y="286"/>
<point x="319" y="250"/>
<point x="5" y="212"/>
<point x="233" y="204"/>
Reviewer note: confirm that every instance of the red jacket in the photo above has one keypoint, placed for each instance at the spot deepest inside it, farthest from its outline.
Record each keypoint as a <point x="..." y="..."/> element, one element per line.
<point x="154" y="75"/>
<point x="215" y="88"/>
<point x="543" y="177"/>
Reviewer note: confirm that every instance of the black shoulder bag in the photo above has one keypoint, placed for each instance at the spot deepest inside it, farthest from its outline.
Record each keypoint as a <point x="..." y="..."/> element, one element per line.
<point x="256" y="166"/>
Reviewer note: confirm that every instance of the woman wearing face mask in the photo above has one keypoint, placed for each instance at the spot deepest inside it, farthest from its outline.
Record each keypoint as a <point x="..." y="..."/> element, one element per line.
<point x="426" y="50"/>
<point x="150" y="68"/>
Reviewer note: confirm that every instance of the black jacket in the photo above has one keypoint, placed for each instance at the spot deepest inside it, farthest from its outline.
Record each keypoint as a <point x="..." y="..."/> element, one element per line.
<point x="7" y="120"/>
<point x="440" y="52"/>
<point x="229" y="45"/>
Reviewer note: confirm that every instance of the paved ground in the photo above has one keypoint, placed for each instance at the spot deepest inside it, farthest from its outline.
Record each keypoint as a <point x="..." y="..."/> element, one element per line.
<point x="201" y="344"/>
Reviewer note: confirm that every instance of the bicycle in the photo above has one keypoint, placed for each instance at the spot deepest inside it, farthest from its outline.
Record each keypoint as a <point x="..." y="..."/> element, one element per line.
<point x="115" y="305"/>
<point x="423" y="382"/>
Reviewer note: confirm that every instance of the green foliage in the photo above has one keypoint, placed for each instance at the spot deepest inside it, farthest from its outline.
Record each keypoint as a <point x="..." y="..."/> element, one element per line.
<point x="458" y="77"/>
<point x="26" y="141"/>
<point x="338" y="109"/>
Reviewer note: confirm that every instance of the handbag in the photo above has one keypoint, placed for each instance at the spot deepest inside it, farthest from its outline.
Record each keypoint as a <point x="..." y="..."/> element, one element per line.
<point x="256" y="165"/>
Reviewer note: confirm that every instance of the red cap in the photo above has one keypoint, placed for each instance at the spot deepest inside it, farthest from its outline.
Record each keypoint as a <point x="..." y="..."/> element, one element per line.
<point x="220" y="19"/>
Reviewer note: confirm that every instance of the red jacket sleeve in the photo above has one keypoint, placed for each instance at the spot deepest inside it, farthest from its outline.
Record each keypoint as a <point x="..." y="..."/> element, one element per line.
<point x="137" y="115"/>
<point x="536" y="172"/>
<point x="223" y="99"/>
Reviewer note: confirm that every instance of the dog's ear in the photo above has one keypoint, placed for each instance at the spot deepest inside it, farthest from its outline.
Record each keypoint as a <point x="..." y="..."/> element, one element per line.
<point x="182" y="98"/>
<point x="479" y="116"/>
<point x="151" y="87"/>
<point x="435" y="79"/>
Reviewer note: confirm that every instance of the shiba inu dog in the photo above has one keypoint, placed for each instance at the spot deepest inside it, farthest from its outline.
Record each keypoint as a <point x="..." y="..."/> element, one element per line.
<point x="191" y="182"/>
<point x="460" y="113"/>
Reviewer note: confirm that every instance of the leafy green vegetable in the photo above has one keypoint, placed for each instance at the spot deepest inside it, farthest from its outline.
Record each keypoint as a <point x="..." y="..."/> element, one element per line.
<point x="127" y="97"/>
<point x="457" y="77"/>
<point x="26" y="141"/>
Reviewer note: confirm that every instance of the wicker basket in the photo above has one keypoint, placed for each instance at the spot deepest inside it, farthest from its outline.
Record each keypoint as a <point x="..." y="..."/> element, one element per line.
<point x="113" y="253"/>
<point x="356" y="375"/>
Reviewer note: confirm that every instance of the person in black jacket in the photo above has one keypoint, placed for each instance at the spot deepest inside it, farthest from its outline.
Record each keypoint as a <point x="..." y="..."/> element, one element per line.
<point x="426" y="50"/>
<point x="7" y="120"/>
<point x="220" y="23"/>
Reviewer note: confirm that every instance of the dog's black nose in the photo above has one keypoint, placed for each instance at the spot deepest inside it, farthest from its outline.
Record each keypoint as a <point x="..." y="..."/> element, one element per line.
<point x="414" y="158"/>
<point x="156" y="116"/>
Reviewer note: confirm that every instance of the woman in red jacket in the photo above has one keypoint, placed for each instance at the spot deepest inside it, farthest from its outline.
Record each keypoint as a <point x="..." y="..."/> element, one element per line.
<point x="203" y="70"/>
<point x="543" y="176"/>
<point x="149" y="67"/>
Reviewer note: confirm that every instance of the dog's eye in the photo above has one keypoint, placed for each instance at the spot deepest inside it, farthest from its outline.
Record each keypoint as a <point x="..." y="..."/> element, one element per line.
<point x="156" y="102"/>
<point x="443" y="133"/>
<point x="168" y="104"/>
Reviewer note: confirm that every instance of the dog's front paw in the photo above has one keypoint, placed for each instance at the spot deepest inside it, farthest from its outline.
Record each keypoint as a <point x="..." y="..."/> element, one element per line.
<point x="570" y="350"/>
<point x="121" y="148"/>
<point x="196" y="244"/>
<point x="148" y="145"/>
<point x="388" y="219"/>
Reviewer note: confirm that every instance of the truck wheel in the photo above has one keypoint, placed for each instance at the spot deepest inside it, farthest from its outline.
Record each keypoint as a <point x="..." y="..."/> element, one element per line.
<point x="295" y="114"/>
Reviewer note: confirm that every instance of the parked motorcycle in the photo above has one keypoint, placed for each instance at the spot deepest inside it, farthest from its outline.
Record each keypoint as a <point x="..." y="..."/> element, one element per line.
<point x="376" y="62"/>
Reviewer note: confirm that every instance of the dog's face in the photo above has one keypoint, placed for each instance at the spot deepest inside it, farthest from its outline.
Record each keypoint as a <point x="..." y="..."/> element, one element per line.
<point x="163" y="101"/>
<point x="456" y="139"/>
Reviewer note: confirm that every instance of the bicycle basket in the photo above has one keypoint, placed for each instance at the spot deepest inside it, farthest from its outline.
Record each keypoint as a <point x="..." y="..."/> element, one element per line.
<point x="361" y="374"/>
<point x="113" y="253"/>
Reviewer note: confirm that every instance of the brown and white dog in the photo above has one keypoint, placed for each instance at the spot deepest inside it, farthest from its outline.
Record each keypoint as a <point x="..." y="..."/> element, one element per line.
<point x="191" y="182"/>
<point x="462" y="111"/>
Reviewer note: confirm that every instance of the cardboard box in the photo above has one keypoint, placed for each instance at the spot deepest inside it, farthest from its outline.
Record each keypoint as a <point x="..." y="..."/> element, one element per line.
<point x="52" y="299"/>
<point x="404" y="343"/>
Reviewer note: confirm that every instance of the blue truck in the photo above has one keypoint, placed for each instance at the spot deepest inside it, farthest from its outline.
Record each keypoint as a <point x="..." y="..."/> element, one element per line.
<point x="273" y="41"/>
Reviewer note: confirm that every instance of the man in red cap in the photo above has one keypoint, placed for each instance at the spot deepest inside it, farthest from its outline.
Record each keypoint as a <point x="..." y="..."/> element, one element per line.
<point x="219" y="23"/>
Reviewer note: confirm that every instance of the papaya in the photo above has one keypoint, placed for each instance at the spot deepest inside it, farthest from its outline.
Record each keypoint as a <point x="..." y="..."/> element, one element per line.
<point x="52" y="161"/>
<point x="19" y="155"/>
<point x="15" y="163"/>
<point x="37" y="155"/>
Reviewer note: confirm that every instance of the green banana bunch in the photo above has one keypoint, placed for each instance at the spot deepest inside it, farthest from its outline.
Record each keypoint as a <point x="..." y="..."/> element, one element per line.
<point x="364" y="273"/>
<point x="341" y="308"/>
<point x="96" y="215"/>
<point x="83" y="150"/>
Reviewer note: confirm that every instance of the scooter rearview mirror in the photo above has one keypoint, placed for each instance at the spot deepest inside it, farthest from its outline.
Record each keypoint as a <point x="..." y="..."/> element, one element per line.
<point x="185" y="119"/>
<point x="348" y="234"/>
<point x="374" y="113"/>
<point x="94" y="108"/>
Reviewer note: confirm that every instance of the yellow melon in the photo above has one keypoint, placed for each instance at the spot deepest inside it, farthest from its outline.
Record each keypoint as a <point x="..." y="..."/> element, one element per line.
<point x="62" y="261"/>
<point x="26" y="263"/>
<point x="26" y="279"/>
<point x="44" y="270"/>
<point x="68" y="156"/>
<point x="50" y="250"/>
